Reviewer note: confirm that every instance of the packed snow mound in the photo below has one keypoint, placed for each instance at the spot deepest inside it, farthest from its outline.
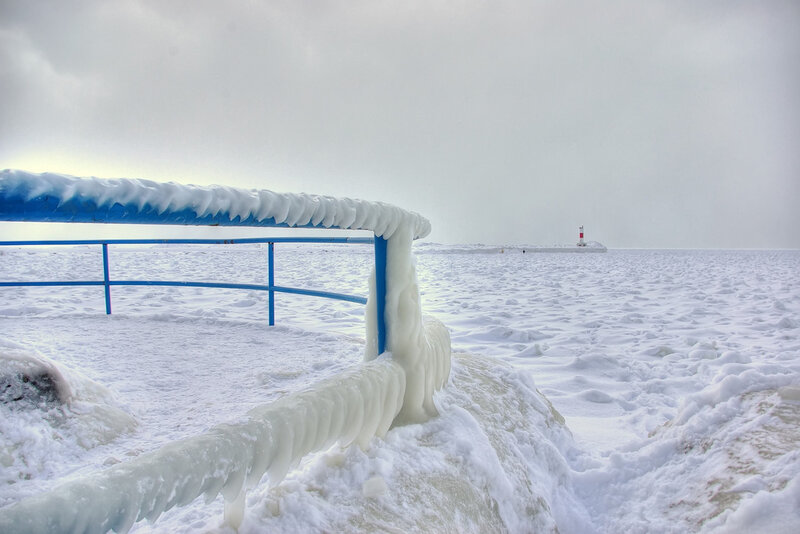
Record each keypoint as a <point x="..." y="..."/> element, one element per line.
<point x="123" y="199"/>
<point x="46" y="410"/>
<point x="492" y="461"/>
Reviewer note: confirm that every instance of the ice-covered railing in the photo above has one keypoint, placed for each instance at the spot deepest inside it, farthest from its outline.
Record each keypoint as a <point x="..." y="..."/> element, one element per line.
<point x="393" y="386"/>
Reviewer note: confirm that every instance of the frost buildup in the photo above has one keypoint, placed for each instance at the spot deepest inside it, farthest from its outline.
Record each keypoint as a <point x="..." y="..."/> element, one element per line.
<point x="230" y="459"/>
<point x="420" y="346"/>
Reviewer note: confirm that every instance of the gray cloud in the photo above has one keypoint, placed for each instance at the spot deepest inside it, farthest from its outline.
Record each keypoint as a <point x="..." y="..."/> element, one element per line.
<point x="669" y="124"/>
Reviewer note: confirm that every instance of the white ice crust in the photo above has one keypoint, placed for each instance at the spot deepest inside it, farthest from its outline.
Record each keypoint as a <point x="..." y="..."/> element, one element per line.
<point x="291" y="209"/>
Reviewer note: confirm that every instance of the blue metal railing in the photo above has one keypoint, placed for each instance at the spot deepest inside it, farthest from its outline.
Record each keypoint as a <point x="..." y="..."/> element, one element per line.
<point x="26" y="197"/>
<point x="271" y="288"/>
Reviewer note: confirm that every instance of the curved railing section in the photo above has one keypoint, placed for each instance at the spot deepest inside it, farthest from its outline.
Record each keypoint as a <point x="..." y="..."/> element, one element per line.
<point x="50" y="197"/>
<point x="407" y="358"/>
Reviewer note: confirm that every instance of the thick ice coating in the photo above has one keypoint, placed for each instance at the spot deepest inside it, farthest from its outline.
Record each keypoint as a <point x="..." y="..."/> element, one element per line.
<point x="394" y="388"/>
<point x="123" y="200"/>
<point x="421" y="346"/>
<point x="228" y="459"/>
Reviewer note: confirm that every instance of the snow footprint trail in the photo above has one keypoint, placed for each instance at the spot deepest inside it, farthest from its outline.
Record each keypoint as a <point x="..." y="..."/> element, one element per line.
<point x="732" y="445"/>
<point x="627" y="343"/>
<point x="637" y="326"/>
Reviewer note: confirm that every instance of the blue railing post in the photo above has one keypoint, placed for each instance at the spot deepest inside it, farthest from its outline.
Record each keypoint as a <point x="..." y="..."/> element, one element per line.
<point x="106" y="279"/>
<point x="380" y="291"/>
<point x="271" y="282"/>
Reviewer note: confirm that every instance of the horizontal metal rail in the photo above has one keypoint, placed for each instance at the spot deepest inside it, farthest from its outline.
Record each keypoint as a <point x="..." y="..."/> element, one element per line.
<point x="271" y="288"/>
<point x="179" y="283"/>
<point x="240" y="241"/>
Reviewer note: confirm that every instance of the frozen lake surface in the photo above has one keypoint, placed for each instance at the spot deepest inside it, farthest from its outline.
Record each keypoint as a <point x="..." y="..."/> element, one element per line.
<point x="676" y="374"/>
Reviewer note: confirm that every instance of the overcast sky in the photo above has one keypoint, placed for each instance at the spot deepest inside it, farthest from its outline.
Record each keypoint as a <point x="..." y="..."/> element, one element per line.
<point x="654" y="124"/>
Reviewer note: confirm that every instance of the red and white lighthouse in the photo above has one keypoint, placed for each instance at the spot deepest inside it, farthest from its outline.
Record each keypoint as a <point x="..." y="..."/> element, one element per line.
<point x="581" y="243"/>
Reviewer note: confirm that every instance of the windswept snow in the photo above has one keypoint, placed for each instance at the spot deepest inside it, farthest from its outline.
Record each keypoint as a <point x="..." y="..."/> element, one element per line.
<point x="676" y="373"/>
<point x="668" y="367"/>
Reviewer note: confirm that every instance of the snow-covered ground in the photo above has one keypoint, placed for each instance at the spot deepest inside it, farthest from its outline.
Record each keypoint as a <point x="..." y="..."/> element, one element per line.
<point x="674" y="379"/>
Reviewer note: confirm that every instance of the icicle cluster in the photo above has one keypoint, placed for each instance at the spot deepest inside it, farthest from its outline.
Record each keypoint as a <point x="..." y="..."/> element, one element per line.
<point x="420" y="345"/>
